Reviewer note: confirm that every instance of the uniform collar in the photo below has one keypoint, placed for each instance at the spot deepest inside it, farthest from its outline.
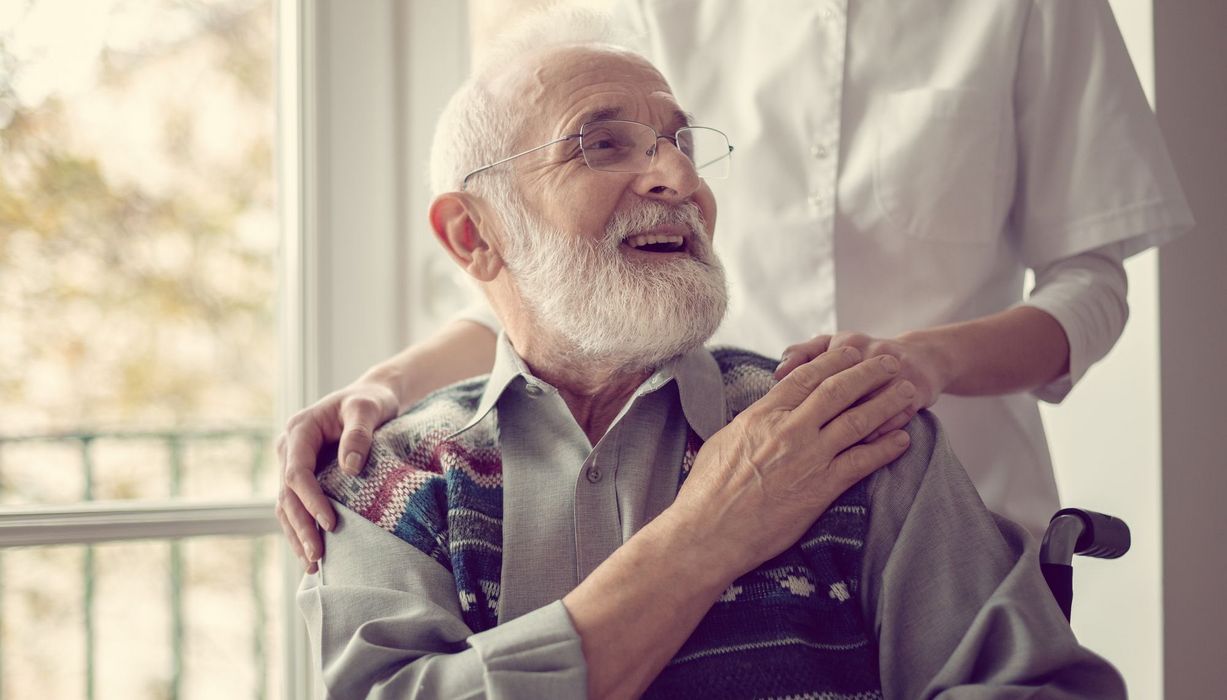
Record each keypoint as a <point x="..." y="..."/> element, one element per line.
<point x="699" y="383"/>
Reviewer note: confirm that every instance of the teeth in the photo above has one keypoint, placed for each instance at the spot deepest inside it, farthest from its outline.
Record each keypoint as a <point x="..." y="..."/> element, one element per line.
<point x="641" y="239"/>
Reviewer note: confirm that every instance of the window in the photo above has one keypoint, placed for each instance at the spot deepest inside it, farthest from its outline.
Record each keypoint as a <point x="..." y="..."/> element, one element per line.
<point x="139" y="356"/>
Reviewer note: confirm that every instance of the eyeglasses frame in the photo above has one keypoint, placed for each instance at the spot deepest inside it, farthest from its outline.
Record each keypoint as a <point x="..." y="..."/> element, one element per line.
<point x="672" y="139"/>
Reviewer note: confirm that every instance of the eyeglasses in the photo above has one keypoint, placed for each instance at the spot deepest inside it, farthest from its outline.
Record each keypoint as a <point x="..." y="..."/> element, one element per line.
<point x="620" y="146"/>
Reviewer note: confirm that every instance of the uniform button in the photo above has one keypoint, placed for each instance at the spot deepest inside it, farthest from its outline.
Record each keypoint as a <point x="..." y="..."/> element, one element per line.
<point x="533" y="390"/>
<point x="594" y="474"/>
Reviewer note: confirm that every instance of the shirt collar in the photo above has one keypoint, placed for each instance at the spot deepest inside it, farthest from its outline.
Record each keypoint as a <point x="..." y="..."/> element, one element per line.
<point x="701" y="387"/>
<point x="507" y="367"/>
<point x="699" y="382"/>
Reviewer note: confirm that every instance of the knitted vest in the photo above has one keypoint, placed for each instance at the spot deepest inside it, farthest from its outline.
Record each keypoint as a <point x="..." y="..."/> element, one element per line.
<point x="791" y="628"/>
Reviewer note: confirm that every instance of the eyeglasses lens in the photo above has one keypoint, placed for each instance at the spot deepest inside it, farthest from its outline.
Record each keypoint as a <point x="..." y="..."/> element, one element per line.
<point x="623" y="146"/>
<point x="617" y="146"/>
<point x="707" y="148"/>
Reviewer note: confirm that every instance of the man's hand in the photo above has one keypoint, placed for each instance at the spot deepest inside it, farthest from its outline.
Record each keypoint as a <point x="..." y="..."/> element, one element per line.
<point x="351" y="415"/>
<point x="754" y="489"/>
<point x="759" y="483"/>
<point x="921" y="363"/>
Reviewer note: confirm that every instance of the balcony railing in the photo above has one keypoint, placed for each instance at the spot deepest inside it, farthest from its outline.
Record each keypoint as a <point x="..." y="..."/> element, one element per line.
<point x="90" y="522"/>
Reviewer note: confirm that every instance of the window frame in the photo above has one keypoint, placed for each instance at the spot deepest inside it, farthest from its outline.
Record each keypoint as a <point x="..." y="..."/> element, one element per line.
<point x="360" y="87"/>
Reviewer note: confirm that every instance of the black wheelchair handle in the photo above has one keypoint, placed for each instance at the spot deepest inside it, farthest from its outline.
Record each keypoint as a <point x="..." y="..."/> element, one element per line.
<point x="1102" y="537"/>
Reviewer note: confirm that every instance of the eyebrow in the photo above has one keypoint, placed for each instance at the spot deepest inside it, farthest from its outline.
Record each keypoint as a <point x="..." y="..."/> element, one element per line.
<point x="601" y="113"/>
<point x="680" y="118"/>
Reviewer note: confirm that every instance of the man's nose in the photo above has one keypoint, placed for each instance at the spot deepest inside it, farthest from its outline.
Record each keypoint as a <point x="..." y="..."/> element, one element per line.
<point x="670" y="177"/>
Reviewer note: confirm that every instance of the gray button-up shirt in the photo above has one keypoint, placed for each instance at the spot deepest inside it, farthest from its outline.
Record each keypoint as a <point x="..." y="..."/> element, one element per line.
<point x="952" y="594"/>
<point x="570" y="504"/>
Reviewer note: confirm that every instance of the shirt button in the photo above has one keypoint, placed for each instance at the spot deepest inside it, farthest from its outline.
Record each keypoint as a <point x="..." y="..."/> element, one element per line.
<point x="594" y="474"/>
<point x="815" y="199"/>
<point x="818" y="151"/>
<point x="827" y="14"/>
<point x="533" y="390"/>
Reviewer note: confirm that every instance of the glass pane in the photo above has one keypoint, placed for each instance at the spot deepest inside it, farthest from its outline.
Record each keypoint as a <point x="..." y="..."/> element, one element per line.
<point x="193" y="619"/>
<point x="138" y="244"/>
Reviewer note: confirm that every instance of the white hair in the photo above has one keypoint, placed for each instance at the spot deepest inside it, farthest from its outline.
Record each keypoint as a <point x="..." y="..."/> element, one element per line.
<point x="478" y="127"/>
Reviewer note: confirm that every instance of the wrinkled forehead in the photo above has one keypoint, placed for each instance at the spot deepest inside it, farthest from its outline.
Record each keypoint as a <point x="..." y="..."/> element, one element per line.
<point x="569" y="85"/>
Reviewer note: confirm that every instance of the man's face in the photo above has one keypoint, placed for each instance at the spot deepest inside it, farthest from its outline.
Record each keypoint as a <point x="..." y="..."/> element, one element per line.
<point x="573" y="86"/>
<point x="573" y="231"/>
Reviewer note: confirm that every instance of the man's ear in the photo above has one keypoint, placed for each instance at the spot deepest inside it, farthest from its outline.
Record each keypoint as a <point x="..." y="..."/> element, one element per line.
<point x="458" y="224"/>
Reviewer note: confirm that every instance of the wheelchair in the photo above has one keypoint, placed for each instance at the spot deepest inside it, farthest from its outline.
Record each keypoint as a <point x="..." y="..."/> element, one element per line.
<point x="1074" y="531"/>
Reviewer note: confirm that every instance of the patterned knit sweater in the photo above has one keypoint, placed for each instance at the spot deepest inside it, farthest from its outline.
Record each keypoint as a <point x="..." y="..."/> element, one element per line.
<point x="791" y="628"/>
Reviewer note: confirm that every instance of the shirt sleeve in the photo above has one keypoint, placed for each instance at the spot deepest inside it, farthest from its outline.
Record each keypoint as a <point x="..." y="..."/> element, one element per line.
<point x="1092" y="165"/>
<point x="479" y="311"/>
<point x="384" y="621"/>
<point x="1088" y="295"/>
<point x="956" y="596"/>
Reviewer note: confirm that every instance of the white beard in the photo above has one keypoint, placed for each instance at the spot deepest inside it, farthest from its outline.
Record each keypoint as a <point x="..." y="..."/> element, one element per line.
<point x="607" y="307"/>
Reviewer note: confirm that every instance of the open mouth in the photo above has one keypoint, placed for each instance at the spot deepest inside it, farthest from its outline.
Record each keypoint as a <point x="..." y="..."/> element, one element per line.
<point x="656" y="242"/>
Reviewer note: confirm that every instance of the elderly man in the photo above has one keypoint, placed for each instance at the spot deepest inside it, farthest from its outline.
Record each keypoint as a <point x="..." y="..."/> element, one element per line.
<point x="616" y="511"/>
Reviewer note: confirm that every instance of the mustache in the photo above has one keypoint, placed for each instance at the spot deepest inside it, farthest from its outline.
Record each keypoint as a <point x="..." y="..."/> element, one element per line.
<point x="641" y="216"/>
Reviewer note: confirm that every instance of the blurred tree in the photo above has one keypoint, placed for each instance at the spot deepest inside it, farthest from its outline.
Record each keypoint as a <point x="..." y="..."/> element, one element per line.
<point x="138" y="247"/>
<point x="137" y="225"/>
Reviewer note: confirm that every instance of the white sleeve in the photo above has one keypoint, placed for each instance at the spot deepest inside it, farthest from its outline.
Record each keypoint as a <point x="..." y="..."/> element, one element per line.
<point x="478" y="311"/>
<point x="1087" y="295"/>
<point x="1092" y="165"/>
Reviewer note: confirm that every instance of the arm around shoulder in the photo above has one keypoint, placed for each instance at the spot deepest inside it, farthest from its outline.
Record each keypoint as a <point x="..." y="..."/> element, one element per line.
<point x="462" y="348"/>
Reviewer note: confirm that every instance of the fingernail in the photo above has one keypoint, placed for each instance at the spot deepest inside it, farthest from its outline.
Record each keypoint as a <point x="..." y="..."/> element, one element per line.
<point x="353" y="462"/>
<point x="310" y="550"/>
<point x="901" y="438"/>
<point x="324" y="521"/>
<point x="852" y="353"/>
<point x="906" y="389"/>
<point x="890" y="364"/>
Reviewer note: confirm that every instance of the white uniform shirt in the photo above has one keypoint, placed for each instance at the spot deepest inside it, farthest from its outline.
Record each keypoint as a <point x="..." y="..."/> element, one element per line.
<point x="899" y="165"/>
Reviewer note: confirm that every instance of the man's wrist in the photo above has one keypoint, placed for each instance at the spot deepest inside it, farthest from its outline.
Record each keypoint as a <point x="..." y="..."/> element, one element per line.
<point x="709" y="562"/>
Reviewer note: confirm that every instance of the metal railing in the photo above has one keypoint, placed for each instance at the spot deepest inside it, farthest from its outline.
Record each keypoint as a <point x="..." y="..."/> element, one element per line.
<point x="91" y="522"/>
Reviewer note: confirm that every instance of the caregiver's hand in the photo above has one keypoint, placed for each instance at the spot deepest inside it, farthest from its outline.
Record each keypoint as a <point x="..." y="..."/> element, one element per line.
<point x="921" y="363"/>
<point x="350" y="415"/>
<point x="458" y="350"/>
